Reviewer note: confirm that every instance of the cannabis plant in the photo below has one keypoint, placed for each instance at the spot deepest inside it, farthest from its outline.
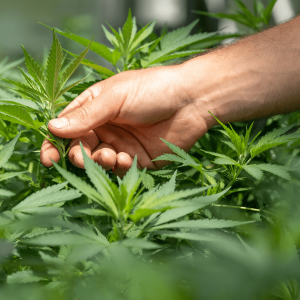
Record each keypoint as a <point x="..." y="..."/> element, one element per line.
<point x="133" y="48"/>
<point x="42" y="93"/>
<point x="253" y="21"/>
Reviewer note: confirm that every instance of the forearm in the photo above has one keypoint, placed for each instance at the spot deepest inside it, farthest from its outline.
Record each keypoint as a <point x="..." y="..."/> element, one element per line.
<point x="256" y="77"/>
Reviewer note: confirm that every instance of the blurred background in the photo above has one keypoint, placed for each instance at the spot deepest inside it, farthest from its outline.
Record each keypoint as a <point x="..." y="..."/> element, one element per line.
<point x="19" y="19"/>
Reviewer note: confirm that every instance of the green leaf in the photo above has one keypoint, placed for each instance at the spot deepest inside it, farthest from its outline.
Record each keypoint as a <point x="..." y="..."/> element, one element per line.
<point x="6" y="193"/>
<point x="188" y="236"/>
<point x="101" y="70"/>
<point x="148" y="181"/>
<point x="100" y="49"/>
<point x="274" y="138"/>
<point x="180" y="152"/>
<point x="127" y="31"/>
<point x="176" y="40"/>
<point x="190" y="207"/>
<point x="225" y="161"/>
<point x="254" y="171"/>
<point x="139" y="244"/>
<point x="72" y="67"/>
<point x="102" y="183"/>
<point x="9" y="175"/>
<point x="7" y="151"/>
<point x="25" y="276"/>
<point x="79" y="184"/>
<point x="225" y="158"/>
<point x="170" y="157"/>
<point x="158" y="200"/>
<point x="202" y="224"/>
<point x="81" y="87"/>
<point x="54" y="64"/>
<point x="268" y="11"/>
<point x="81" y="253"/>
<point x="67" y="88"/>
<point x="22" y="102"/>
<point x="17" y="114"/>
<point x="233" y="136"/>
<point x="276" y="170"/>
<point x="142" y="35"/>
<point x="24" y="89"/>
<point x="234" y="17"/>
<point x="58" y="239"/>
<point x="50" y="195"/>
<point x="35" y="70"/>
<point x="176" y="55"/>
<point x="93" y="212"/>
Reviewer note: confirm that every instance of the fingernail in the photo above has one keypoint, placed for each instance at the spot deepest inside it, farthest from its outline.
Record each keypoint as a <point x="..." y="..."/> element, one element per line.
<point x="59" y="123"/>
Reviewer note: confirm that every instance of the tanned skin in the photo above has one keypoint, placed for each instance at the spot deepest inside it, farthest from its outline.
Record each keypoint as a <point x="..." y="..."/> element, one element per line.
<point x="125" y="115"/>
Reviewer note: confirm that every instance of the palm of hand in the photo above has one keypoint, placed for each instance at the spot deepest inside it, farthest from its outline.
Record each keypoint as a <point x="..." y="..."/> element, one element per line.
<point x="125" y="116"/>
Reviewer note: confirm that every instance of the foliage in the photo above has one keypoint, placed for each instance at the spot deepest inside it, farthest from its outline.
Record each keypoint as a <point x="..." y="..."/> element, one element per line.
<point x="220" y="222"/>
<point x="42" y="92"/>
<point x="254" y="21"/>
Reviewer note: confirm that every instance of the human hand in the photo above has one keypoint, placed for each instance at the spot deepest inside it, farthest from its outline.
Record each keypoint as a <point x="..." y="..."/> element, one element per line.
<point x="126" y="115"/>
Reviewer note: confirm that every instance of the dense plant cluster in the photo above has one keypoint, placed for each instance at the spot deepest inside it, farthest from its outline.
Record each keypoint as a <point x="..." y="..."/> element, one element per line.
<point x="220" y="222"/>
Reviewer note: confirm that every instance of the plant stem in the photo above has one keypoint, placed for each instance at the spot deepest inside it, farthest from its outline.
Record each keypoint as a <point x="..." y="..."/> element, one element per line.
<point x="238" y="207"/>
<point x="62" y="157"/>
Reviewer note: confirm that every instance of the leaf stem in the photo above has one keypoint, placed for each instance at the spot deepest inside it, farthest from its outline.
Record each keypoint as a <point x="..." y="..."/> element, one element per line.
<point x="239" y="207"/>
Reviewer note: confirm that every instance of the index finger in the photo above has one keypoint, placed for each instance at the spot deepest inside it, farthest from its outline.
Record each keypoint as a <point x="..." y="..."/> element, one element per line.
<point x="88" y="95"/>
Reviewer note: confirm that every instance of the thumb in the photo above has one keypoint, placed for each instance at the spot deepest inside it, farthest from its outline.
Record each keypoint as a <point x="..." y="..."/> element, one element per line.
<point x="85" y="118"/>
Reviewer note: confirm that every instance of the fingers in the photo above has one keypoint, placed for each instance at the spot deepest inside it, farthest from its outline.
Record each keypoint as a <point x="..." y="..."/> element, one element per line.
<point x="48" y="152"/>
<point x="86" y="112"/>
<point x="105" y="155"/>
<point x="89" y="142"/>
<point x="123" y="164"/>
<point x="85" y="97"/>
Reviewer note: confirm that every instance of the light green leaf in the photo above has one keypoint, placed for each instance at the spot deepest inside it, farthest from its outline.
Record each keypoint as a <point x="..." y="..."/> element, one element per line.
<point x="24" y="89"/>
<point x="175" y="55"/>
<point x="139" y="243"/>
<point x="191" y="206"/>
<point x="54" y="64"/>
<point x="93" y="212"/>
<point x="35" y="70"/>
<point x="170" y="157"/>
<point x="7" y="151"/>
<point x="50" y="195"/>
<point x="276" y="170"/>
<point x="22" y="102"/>
<point x="58" y="239"/>
<point x="189" y="236"/>
<point x="6" y="193"/>
<point x="141" y="35"/>
<point x="202" y="224"/>
<point x="176" y="40"/>
<point x="100" y="49"/>
<point x="127" y="31"/>
<point x="9" y="175"/>
<point x="225" y="161"/>
<point x="79" y="184"/>
<point x="254" y="171"/>
<point x="148" y="181"/>
<point x="226" y="158"/>
<point x="102" y="183"/>
<point x="180" y="153"/>
<point x="71" y="69"/>
<point x="274" y="138"/>
<point x="16" y="114"/>
<point x="25" y="276"/>
<point x="101" y="70"/>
